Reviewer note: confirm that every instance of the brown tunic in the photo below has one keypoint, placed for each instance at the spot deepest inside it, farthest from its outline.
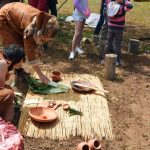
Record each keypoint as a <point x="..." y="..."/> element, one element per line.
<point x="14" y="19"/>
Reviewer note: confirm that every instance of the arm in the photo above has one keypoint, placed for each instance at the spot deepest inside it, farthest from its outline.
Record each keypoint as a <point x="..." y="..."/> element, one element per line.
<point x="128" y="5"/>
<point x="42" y="77"/>
<point x="3" y="71"/>
<point x="33" y="57"/>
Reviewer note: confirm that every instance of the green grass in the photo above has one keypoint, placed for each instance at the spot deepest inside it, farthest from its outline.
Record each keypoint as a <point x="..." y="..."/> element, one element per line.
<point x="139" y="15"/>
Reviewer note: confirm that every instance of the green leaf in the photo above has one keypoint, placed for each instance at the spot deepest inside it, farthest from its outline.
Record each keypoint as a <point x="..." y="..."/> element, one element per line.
<point x="73" y="111"/>
<point x="38" y="87"/>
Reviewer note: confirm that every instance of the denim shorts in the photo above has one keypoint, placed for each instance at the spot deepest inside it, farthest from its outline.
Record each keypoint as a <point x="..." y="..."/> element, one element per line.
<point x="77" y="16"/>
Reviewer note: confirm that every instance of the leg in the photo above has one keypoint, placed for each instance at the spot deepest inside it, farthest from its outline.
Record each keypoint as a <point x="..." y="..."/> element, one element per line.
<point x="99" y="25"/>
<point x="6" y="104"/>
<point x="118" y="40"/>
<point x="77" y="35"/>
<point x="98" y="28"/>
<point x="110" y="38"/>
<point x="52" y="7"/>
<point x="79" y="32"/>
<point x="102" y="44"/>
<point x="103" y="39"/>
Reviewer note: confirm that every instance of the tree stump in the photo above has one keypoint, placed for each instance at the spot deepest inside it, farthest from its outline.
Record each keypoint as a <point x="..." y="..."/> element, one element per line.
<point x="110" y="66"/>
<point x="133" y="46"/>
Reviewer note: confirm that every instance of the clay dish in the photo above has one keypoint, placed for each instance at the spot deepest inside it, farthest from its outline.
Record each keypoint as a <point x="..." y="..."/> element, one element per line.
<point x="42" y="114"/>
<point x="66" y="107"/>
<point x="56" y="76"/>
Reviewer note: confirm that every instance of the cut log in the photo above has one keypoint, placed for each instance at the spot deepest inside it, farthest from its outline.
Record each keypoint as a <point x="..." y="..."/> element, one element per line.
<point x="110" y="66"/>
<point x="133" y="46"/>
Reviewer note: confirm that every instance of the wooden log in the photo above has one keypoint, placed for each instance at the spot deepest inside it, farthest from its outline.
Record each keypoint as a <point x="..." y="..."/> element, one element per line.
<point x="133" y="46"/>
<point x="110" y="66"/>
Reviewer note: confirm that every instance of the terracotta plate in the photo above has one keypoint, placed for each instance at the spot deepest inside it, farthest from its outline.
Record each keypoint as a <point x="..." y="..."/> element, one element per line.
<point x="42" y="114"/>
<point x="80" y="88"/>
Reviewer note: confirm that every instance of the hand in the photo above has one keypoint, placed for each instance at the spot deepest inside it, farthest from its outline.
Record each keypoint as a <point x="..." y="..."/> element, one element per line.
<point x="87" y="12"/>
<point x="44" y="78"/>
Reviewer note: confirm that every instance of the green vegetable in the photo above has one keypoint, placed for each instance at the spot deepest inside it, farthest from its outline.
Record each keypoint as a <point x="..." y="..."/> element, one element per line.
<point x="36" y="86"/>
<point x="73" y="111"/>
<point x="17" y="102"/>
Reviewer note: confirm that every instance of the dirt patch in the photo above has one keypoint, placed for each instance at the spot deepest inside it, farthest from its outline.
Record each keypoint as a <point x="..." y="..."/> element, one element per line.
<point x="128" y="98"/>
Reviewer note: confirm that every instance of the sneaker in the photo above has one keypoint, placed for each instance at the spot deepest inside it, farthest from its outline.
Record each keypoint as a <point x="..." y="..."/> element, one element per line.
<point x="72" y="55"/>
<point x="102" y="62"/>
<point x="79" y="50"/>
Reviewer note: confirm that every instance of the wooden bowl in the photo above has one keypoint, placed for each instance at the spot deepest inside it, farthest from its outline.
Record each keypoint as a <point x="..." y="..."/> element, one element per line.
<point x="43" y="114"/>
<point x="56" y="76"/>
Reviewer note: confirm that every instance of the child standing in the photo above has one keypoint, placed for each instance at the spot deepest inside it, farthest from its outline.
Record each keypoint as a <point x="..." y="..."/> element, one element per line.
<point x="80" y="14"/>
<point x="115" y="29"/>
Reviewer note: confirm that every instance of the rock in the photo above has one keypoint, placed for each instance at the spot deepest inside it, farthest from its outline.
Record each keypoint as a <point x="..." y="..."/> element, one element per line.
<point x="86" y="41"/>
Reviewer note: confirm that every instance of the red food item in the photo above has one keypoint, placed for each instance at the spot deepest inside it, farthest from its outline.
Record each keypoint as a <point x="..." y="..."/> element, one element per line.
<point x="44" y="117"/>
<point x="10" y="138"/>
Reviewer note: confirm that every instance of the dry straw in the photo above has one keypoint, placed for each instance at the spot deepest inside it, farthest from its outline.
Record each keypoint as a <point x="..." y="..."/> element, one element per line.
<point x="95" y="121"/>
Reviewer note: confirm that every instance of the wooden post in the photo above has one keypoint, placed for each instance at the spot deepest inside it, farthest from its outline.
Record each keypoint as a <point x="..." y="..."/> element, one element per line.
<point x="110" y="66"/>
<point x="133" y="46"/>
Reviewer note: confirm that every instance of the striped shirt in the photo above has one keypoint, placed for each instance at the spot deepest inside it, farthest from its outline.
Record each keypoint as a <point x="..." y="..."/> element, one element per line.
<point x="118" y="21"/>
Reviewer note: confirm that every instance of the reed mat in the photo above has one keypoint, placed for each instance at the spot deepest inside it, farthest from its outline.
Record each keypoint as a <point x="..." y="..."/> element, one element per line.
<point x="95" y="122"/>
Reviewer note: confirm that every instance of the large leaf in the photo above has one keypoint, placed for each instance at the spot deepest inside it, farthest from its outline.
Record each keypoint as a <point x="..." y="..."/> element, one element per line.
<point x="57" y="90"/>
<point x="36" y="86"/>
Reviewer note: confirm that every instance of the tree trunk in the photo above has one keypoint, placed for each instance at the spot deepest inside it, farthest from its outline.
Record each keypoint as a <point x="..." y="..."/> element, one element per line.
<point x="133" y="46"/>
<point x="110" y="66"/>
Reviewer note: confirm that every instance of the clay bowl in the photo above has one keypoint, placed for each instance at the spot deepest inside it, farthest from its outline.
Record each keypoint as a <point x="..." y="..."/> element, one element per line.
<point x="42" y="114"/>
<point x="56" y="76"/>
<point x="80" y="88"/>
<point x="66" y="107"/>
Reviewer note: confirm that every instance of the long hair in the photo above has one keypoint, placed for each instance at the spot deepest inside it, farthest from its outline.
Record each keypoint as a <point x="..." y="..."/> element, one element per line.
<point x="13" y="53"/>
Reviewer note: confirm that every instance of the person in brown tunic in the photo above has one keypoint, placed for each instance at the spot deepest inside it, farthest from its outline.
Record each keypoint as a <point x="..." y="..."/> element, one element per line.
<point x="29" y="27"/>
